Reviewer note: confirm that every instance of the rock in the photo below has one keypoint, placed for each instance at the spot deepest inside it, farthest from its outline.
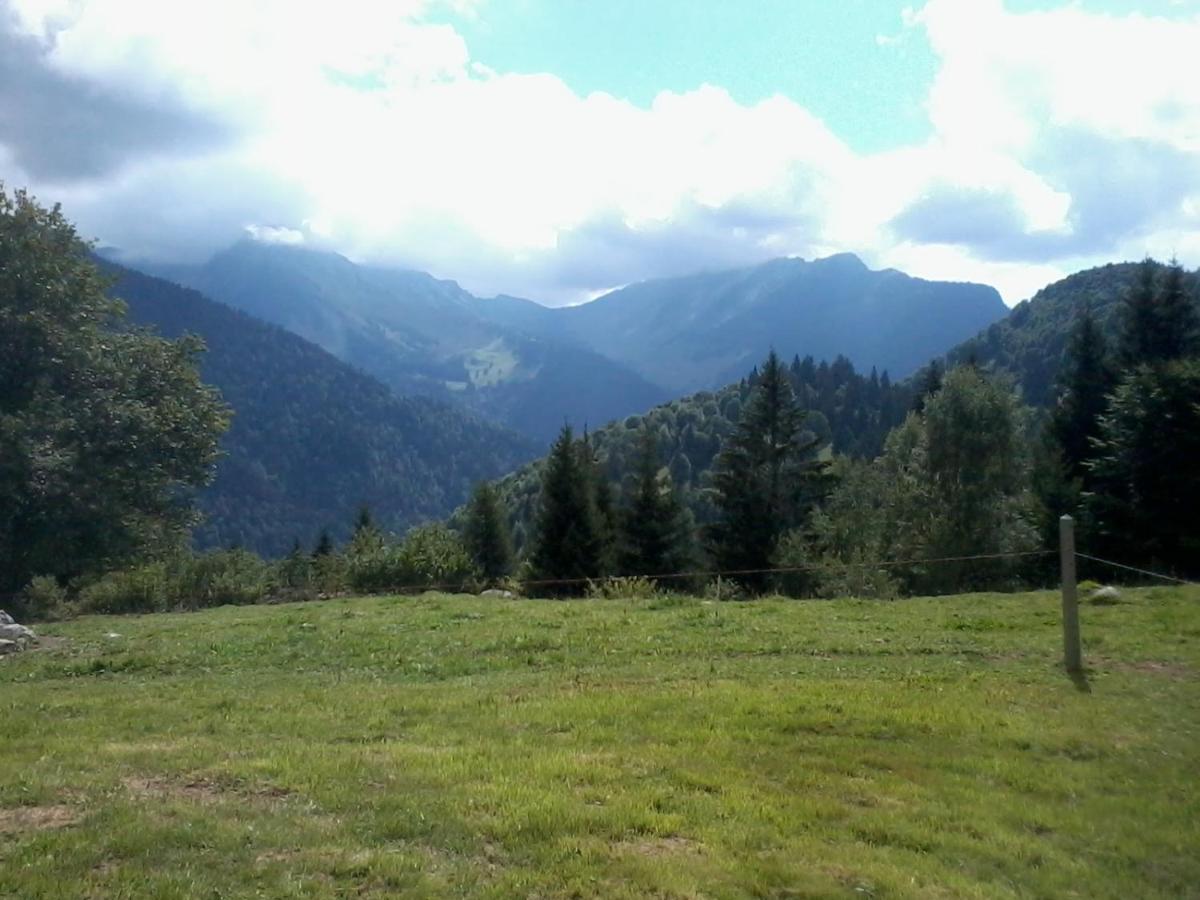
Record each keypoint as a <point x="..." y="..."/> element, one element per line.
<point x="1102" y="595"/>
<point x="496" y="592"/>
<point x="6" y="619"/>
<point x="9" y="647"/>
<point x="18" y="633"/>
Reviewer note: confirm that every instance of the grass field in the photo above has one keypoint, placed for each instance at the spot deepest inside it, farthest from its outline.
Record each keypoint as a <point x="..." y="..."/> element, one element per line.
<point x="457" y="746"/>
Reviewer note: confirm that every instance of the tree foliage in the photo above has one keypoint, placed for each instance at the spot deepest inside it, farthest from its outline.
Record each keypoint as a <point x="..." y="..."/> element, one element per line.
<point x="952" y="482"/>
<point x="105" y="431"/>
<point x="485" y="534"/>
<point x="656" y="534"/>
<point x="763" y="478"/>
<point x="1144" y="469"/>
<point x="568" y="543"/>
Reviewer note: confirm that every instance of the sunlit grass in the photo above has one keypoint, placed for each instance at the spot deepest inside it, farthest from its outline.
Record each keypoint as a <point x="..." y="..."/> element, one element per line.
<point x="460" y="746"/>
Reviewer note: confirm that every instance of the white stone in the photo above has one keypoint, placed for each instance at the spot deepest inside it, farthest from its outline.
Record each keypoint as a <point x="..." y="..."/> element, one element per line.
<point x="9" y="647"/>
<point x="6" y="619"/>
<point x="1108" y="594"/>
<point x="496" y="592"/>
<point x="18" y="633"/>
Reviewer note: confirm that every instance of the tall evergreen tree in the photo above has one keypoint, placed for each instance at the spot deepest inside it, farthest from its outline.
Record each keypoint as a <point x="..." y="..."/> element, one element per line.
<point x="324" y="546"/>
<point x="1177" y="328"/>
<point x="1086" y="380"/>
<point x="1146" y="481"/>
<point x="486" y="535"/>
<point x="656" y="530"/>
<point x="762" y="478"/>
<point x="930" y="384"/>
<point x="364" y="521"/>
<point x="1141" y="330"/>
<point x="567" y="541"/>
<point x="603" y="504"/>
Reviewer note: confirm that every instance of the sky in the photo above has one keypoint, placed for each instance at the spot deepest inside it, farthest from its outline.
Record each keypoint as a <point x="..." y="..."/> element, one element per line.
<point x="554" y="149"/>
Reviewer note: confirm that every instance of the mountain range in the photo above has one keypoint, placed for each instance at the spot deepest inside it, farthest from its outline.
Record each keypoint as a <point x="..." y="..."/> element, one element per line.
<point x="313" y="439"/>
<point x="391" y="410"/>
<point x="531" y="367"/>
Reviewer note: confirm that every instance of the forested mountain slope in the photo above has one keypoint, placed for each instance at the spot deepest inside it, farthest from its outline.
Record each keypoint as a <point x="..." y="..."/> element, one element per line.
<point x="420" y="335"/>
<point x="850" y="413"/>
<point x="312" y="439"/>
<point x="702" y="331"/>
<point x="1028" y="344"/>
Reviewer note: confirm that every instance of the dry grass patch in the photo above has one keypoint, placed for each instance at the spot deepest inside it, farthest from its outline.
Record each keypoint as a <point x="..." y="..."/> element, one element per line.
<point x="37" y="818"/>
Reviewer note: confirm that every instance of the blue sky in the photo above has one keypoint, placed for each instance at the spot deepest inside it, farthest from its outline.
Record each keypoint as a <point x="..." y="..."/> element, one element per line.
<point x="558" y="148"/>
<point x="851" y="62"/>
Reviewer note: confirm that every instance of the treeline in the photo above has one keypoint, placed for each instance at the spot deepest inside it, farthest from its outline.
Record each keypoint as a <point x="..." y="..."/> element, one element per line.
<point x="966" y="493"/>
<point x="847" y="413"/>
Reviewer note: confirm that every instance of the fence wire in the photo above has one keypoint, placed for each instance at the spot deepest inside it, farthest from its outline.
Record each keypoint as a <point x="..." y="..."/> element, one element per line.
<point x="1117" y="565"/>
<point x="734" y="573"/>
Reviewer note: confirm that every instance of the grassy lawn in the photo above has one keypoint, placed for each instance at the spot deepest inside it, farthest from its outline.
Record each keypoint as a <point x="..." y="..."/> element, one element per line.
<point x="459" y="746"/>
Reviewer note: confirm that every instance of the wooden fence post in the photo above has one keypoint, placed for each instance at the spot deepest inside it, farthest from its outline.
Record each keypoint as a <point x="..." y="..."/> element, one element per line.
<point x="1072" y="651"/>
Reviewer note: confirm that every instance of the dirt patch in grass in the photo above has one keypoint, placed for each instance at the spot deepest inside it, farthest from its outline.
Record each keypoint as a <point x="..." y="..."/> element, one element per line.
<point x="1174" y="670"/>
<point x="200" y="790"/>
<point x="663" y="846"/>
<point x="37" y="818"/>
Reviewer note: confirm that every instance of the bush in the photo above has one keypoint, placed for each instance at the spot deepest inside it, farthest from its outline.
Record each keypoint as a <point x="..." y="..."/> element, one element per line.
<point x="629" y="587"/>
<point x="223" y="577"/>
<point x="143" y="589"/>
<point x="43" y="598"/>
<point x="429" y="557"/>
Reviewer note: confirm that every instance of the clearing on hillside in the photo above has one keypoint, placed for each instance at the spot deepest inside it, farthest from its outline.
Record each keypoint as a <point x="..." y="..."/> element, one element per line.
<point x="460" y="746"/>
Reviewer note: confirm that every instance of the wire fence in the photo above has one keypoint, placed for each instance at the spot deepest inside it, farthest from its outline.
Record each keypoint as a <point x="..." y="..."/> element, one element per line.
<point x="709" y="575"/>
<point x="1123" y="566"/>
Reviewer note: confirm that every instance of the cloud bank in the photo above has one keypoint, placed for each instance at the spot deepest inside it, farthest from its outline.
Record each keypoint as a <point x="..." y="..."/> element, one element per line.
<point x="1059" y="139"/>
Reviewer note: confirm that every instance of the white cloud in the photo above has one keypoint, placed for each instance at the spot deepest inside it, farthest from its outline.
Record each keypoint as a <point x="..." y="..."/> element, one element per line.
<point x="368" y="128"/>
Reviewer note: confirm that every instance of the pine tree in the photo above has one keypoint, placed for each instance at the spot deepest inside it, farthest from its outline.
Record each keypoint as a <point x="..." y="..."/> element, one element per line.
<point x="1085" y="382"/>
<point x="763" y="478"/>
<point x="567" y="543"/>
<point x="1146" y="483"/>
<point x="364" y="520"/>
<point x="930" y="383"/>
<point x="324" y="545"/>
<point x="1177" y="328"/>
<point x="486" y="535"/>
<point x="1140" y="327"/>
<point x="603" y="504"/>
<point x="655" y="528"/>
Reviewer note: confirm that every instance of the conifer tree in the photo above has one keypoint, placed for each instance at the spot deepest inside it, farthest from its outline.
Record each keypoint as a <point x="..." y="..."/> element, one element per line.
<point x="1140" y="336"/>
<point x="324" y="545"/>
<point x="1085" y="382"/>
<point x="1177" y="327"/>
<point x="486" y="534"/>
<point x="763" y="478"/>
<point x="567" y="542"/>
<point x="930" y="384"/>
<point x="364" y="521"/>
<point x="603" y="504"/>
<point x="655" y="528"/>
<point x="1146" y="482"/>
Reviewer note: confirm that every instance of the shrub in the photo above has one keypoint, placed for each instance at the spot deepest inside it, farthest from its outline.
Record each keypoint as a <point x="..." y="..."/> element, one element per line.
<point x="234" y="577"/>
<point x="142" y="589"/>
<point x="630" y="587"/>
<point x="431" y="556"/>
<point x="43" y="598"/>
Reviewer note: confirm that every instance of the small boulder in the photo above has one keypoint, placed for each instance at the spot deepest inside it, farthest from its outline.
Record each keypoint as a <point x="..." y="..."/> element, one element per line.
<point x="1105" y="595"/>
<point x="7" y="647"/>
<point x="497" y="592"/>
<point x="18" y="633"/>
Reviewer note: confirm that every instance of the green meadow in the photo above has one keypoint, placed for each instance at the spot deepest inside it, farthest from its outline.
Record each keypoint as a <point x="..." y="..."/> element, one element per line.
<point x="463" y="746"/>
